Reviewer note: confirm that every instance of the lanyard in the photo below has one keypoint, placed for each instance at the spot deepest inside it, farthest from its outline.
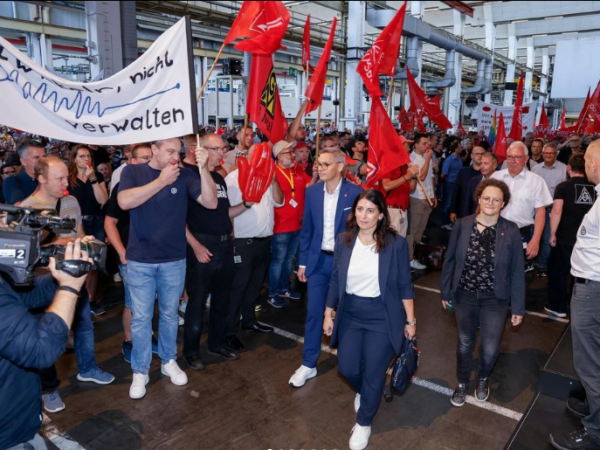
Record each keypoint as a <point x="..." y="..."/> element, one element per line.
<point x="290" y="178"/>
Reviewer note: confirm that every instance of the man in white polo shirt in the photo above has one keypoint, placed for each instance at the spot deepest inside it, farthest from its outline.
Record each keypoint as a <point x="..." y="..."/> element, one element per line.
<point x="585" y="318"/>
<point x="529" y="196"/>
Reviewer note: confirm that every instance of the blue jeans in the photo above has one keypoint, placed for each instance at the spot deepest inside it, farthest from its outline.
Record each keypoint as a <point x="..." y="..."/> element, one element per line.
<point x="123" y="270"/>
<point x="446" y="202"/>
<point x="545" y="248"/>
<point x="283" y="249"/>
<point x="145" y="280"/>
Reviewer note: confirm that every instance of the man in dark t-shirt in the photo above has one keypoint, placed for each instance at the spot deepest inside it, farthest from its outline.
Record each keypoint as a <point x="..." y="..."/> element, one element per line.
<point x="572" y="201"/>
<point x="156" y="194"/>
<point x="210" y="258"/>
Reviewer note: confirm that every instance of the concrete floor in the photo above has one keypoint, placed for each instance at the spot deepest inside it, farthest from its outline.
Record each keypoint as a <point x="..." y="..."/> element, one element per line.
<point x="247" y="404"/>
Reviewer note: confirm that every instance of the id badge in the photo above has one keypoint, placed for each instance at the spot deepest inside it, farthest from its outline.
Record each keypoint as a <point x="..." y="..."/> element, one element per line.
<point x="293" y="203"/>
<point x="237" y="259"/>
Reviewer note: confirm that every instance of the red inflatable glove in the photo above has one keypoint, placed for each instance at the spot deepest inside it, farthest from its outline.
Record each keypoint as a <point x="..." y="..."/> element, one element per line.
<point x="260" y="174"/>
<point x="244" y="168"/>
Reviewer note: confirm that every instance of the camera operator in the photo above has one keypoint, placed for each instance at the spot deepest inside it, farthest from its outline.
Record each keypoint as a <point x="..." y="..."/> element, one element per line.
<point x="52" y="177"/>
<point x="27" y="343"/>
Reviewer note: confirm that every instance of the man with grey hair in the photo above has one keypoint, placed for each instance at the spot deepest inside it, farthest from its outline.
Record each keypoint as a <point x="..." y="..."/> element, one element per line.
<point x="17" y="188"/>
<point x="157" y="196"/>
<point x="529" y="198"/>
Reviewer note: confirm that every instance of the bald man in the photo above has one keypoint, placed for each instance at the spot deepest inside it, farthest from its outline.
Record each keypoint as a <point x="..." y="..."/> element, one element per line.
<point x="585" y="319"/>
<point x="459" y="207"/>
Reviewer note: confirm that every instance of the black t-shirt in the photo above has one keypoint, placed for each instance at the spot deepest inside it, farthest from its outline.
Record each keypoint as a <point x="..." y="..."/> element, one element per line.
<point x="114" y="210"/>
<point x="210" y="221"/>
<point x="578" y="196"/>
<point x="84" y="193"/>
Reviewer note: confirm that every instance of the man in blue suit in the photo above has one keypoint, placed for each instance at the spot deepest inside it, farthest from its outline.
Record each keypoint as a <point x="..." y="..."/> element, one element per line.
<point x="327" y="206"/>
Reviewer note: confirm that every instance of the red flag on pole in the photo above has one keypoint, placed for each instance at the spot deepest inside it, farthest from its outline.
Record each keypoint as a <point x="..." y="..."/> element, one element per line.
<point x="314" y="90"/>
<point x="264" y="23"/>
<point x="420" y="100"/>
<point x="501" y="146"/>
<point x="563" y="121"/>
<point x="542" y="129"/>
<point x="420" y="125"/>
<point x="263" y="103"/>
<point x="386" y="152"/>
<point x="461" y="129"/>
<point x="516" y="130"/>
<point x="306" y="46"/>
<point x="381" y="58"/>
<point x="593" y="108"/>
<point x="404" y="119"/>
<point x="583" y="115"/>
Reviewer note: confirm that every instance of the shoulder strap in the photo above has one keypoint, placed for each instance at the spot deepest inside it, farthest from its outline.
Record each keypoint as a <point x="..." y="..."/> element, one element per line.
<point x="58" y="205"/>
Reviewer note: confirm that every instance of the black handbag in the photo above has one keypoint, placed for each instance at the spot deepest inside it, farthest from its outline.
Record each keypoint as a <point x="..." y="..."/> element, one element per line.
<point x="402" y="369"/>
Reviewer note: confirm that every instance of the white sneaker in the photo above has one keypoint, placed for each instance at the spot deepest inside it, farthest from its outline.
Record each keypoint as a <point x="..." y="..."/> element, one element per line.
<point x="181" y="321"/>
<point x="356" y="403"/>
<point x="360" y="437"/>
<point x="138" y="385"/>
<point x="301" y="375"/>
<point x="117" y="278"/>
<point x="417" y="265"/>
<point x="172" y="370"/>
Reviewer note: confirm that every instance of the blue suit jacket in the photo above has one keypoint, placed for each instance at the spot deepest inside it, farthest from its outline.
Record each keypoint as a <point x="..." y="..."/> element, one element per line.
<point x="311" y="236"/>
<point x="395" y="284"/>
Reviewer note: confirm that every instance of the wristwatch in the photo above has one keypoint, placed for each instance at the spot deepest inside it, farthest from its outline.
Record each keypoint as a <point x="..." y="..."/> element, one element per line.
<point x="246" y="205"/>
<point x="411" y="323"/>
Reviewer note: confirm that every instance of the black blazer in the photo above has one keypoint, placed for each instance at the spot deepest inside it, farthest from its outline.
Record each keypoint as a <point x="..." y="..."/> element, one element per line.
<point x="509" y="264"/>
<point x="395" y="284"/>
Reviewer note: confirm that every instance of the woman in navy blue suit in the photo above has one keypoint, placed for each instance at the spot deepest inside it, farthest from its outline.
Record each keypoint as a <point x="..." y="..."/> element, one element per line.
<point x="372" y="294"/>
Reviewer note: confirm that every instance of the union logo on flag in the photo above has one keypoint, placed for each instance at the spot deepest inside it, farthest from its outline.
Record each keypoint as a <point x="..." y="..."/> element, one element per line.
<point x="267" y="98"/>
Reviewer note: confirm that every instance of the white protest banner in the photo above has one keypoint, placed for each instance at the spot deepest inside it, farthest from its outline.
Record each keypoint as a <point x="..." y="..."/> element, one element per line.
<point x="485" y="114"/>
<point x="151" y="99"/>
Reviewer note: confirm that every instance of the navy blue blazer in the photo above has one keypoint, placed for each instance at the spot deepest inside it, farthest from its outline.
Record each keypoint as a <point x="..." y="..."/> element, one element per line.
<point x="460" y="204"/>
<point x="311" y="236"/>
<point x="395" y="284"/>
<point x="509" y="264"/>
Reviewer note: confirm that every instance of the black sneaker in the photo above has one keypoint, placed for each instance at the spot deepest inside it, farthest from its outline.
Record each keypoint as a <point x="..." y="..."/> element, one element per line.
<point x="542" y="272"/>
<point x="575" y="440"/>
<point x="459" y="396"/>
<point x="529" y="267"/>
<point x="482" y="391"/>
<point x="577" y="408"/>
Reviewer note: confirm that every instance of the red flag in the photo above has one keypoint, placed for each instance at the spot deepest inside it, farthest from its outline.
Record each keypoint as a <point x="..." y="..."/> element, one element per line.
<point x="264" y="23"/>
<point x="563" y="122"/>
<point x="420" y="100"/>
<point x="381" y="58"/>
<point x="306" y="46"/>
<point x="582" y="120"/>
<point x="386" y="152"/>
<point x="501" y="146"/>
<point x="541" y="130"/>
<point x="461" y="128"/>
<point x="314" y="90"/>
<point x="419" y="124"/>
<point x="404" y="119"/>
<point x="516" y="129"/>
<point x="593" y="108"/>
<point x="263" y="102"/>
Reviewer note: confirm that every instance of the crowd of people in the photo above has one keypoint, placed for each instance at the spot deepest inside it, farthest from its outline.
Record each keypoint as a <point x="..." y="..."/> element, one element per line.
<point x="174" y="213"/>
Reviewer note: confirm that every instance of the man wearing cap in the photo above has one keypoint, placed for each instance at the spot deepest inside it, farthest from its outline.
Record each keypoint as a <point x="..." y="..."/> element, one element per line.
<point x="396" y="189"/>
<point x="288" y="223"/>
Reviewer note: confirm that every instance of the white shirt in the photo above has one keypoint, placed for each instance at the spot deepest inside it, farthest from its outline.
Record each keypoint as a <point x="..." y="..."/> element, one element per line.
<point x="329" y="208"/>
<point x="257" y="221"/>
<point x="116" y="177"/>
<point x="553" y="175"/>
<point x="585" y="259"/>
<point x="363" y="271"/>
<point x="528" y="192"/>
<point x="428" y="181"/>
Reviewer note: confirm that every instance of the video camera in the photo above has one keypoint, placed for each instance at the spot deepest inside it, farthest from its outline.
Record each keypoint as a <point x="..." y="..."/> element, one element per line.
<point x="21" y="249"/>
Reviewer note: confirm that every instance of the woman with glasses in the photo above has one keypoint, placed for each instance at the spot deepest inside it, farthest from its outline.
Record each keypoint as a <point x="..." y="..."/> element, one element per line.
<point x="483" y="274"/>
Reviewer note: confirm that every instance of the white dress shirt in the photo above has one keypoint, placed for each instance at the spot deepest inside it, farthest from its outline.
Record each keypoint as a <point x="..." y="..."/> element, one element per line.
<point x="363" y="271"/>
<point x="528" y="192"/>
<point x="257" y="221"/>
<point x="329" y="208"/>
<point x="428" y="181"/>
<point x="585" y="259"/>
<point x="553" y="175"/>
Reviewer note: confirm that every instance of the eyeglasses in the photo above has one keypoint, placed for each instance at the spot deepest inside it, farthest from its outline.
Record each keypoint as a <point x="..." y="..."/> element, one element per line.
<point x="495" y="201"/>
<point x="324" y="165"/>
<point x="9" y="172"/>
<point x="217" y="149"/>
<point x="514" y="158"/>
<point x="285" y="153"/>
<point x="145" y="158"/>
<point x="548" y="153"/>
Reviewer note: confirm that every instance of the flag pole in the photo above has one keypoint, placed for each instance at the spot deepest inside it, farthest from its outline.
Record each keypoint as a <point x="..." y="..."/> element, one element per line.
<point x="210" y="72"/>
<point x="318" y="131"/>
<point x="244" y="131"/>
<point x="424" y="191"/>
<point x="389" y="101"/>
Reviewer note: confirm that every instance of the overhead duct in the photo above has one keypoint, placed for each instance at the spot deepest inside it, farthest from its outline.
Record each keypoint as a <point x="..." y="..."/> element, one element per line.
<point x="450" y="77"/>
<point x="412" y="60"/>
<point x="489" y="68"/>
<point x="414" y="27"/>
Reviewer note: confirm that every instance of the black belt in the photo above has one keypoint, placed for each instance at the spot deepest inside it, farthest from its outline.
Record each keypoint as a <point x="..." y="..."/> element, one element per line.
<point x="327" y="252"/>
<point x="212" y="237"/>
<point x="525" y="229"/>
<point x="579" y="280"/>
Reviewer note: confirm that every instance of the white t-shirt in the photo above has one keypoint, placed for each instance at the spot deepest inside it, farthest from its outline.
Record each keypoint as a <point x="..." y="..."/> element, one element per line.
<point x="585" y="259"/>
<point x="363" y="271"/>
<point x="428" y="181"/>
<point x="528" y="192"/>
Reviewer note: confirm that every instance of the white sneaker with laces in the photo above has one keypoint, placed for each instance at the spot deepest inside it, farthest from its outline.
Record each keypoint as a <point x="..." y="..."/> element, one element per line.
<point x="417" y="265"/>
<point x="172" y="370"/>
<point x="356" y="403"/>
<point x="302" y="375"/>
<point x="360" y="437"/>
<point x="138" y="385"/>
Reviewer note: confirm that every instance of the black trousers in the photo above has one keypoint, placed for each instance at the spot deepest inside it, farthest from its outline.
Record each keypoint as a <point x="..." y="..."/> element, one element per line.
<point x="202" y="279"/>
<point x="559" y="269"/>
<point x="249" y="276"/>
